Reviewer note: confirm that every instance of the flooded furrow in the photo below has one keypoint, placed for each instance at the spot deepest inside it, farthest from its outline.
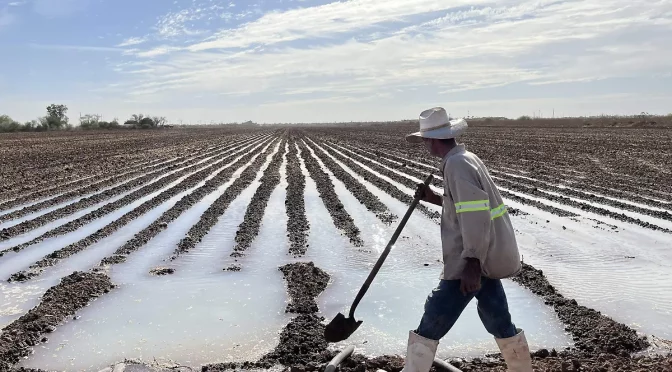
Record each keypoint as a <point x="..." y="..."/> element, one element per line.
<point x="360" y="192"/>
<point x="111" y="186"/>
<point x="181" y="206"/>
<point x="189" y="182"/>
<point x="110" y="207"/>
<point x="585" y="197"/>
<point x="436" y="181"/>
<point x="59" y="302"/>
<point x="339" y="215"/>
<point x="407" y="170"/>
<point x="379" y="182"/>
<point x="51" y="189"/>
<point x="249" y="228"/>
<point x="531" y="190"/>
<point x="210" y="217"/>
<point x="165" y="175"/>
<point x="297" y="223"/>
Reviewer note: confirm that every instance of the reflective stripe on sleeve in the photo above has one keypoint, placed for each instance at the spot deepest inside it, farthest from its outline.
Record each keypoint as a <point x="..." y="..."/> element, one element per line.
<point x="498" y="212"/>
<point x="472" y="206"/>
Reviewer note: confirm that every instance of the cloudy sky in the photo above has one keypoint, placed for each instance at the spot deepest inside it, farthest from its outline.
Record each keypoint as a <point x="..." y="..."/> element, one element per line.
<point x="322" y="60"/>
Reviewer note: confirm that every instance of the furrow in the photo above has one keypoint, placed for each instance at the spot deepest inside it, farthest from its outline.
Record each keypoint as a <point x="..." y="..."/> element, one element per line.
<point x="61" y="301"/>
<point x="141" y="238"/>
<point x="402" y="161"/>
<point x="154" y="172"/>
<point x="54" y="188"/>
<point x="174" y="173"/>
<point x="158" y="185"/>
<point x="297" y="223"/>
<point x="339" y="215"/>
<point x="359" y="191"/>
<point x="249" y="228"/>
<point x="400" y="167"/>
<point x="534" y="203"/>
<point x="211" y="215"/>
<point x="156" y="227"/>
<point x="379" y="168"/>
<point x="381" y="183"/>
<point x="543" y="186"/>
<point x="529" y="190"/>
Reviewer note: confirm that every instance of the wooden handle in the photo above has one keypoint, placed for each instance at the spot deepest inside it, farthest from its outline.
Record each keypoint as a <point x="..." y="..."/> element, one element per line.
<point x="387" y="250"/>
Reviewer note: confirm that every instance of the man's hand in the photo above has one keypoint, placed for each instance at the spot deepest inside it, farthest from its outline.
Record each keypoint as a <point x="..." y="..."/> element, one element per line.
<point x="425" y="193"/>
<point x="470" y="280"/>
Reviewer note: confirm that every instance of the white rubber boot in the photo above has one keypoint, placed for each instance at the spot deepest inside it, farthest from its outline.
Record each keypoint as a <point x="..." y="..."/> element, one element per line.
<point x="420" y="353"/>
<point x="516" y="352"/>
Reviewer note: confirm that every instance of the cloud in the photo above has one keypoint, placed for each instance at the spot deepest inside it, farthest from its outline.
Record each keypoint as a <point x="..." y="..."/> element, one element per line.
<point x="323" y="20"/>
<point x="462" y="49"/>
<point x="132" y="41"/>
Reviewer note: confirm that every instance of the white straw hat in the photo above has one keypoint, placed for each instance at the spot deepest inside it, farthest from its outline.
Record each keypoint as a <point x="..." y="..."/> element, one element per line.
<point x="435" y="123"/>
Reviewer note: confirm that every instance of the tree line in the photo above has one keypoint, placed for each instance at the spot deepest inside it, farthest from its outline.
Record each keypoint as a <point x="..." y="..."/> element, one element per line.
<point x="56" y="119"/>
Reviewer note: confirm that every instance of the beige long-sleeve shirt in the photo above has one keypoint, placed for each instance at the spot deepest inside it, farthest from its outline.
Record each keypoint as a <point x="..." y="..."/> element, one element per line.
<point x="475" y="222"/>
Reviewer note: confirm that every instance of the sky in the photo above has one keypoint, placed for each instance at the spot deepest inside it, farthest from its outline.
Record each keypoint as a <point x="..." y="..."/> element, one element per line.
<point x="270" y="61"/>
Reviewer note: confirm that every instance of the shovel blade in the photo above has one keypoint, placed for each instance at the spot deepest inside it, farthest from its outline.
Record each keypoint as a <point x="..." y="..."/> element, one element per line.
<point x="340" y="328"/>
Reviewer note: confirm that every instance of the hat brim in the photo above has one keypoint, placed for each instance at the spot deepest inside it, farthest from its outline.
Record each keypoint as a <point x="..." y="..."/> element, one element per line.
<point x="456" y="128"/>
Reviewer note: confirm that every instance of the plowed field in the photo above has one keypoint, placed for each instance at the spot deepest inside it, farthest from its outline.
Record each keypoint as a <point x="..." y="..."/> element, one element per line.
<point x="218" y="249"/>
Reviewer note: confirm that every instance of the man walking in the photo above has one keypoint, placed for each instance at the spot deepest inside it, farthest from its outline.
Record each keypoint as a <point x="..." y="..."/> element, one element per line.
<point x="479" y="249"/>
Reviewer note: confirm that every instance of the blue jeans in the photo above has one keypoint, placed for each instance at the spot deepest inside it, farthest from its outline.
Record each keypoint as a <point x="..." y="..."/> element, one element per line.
<point x="446" y="302"/>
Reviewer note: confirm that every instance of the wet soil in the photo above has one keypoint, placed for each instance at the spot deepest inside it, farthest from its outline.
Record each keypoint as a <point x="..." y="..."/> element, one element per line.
<point x="159" y="271"/>
<point x="339" y="215"/>
<point x="41" y="165"/>
<point x="359" y="191"/>
<point x="153" y="229"/>
<point x="401" y="167"/>
<point x="254" y="214"/>
<point x="210" y="217"/>
<point x="302" y="344"/>
<point x="531" y="190"/>
<point x="59" y="303"/>
<point x="179" y="169"/>
<point x="305" y="282"/>
<point x="297" y="223"/>
<point x="381" y="183"/>
<point x="593" y="333"/>
<point x="630" y="164"/>
<point x="140" y="239"/>
<point x="89" y="186"/>
<point x="143" y="174"/>
<point x="110" y="207"/>
<point x="544" y="186"/>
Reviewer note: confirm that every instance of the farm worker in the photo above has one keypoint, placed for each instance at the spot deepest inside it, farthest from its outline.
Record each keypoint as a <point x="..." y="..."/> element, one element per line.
<point x="479" y="249"/>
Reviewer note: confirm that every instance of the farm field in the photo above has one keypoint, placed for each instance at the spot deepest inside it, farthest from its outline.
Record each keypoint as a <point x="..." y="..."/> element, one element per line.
<point x="224" y="248"/>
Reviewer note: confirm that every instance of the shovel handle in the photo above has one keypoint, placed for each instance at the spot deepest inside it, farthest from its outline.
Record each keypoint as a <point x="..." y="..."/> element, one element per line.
<point x="387" y="250"/>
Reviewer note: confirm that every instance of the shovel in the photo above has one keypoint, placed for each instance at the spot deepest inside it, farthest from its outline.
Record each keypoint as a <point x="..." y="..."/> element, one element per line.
<point x="341" y="327"/>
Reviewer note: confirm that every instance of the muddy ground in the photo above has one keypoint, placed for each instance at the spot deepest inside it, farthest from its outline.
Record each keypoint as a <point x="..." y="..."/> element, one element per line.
<point x="38" y="165"/>
<point x="297" y="223"/>
<point x="339" y="215"/>
<point x="249" y="228"/>
<point x="600" y="343"/>
<point x="59" y="303"/>
<point x="210" y="217"/>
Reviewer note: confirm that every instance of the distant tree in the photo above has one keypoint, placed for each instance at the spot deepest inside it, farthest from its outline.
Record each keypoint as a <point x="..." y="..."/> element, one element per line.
<point x="159" y="121"/>
<point x="56" y="118"/>
<point x="89" y="121"/>
<point x="8" y="124"/>
<point x="524" y="117"/>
